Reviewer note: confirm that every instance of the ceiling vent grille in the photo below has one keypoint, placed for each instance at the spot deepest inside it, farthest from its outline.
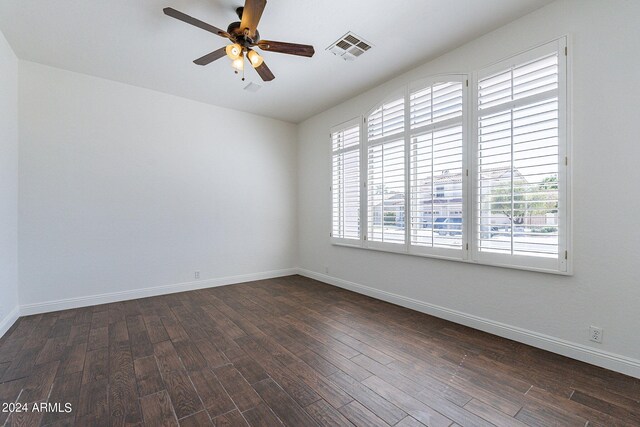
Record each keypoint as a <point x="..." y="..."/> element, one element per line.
<point x="252" y="87"/>
<point x="349" y="47"/>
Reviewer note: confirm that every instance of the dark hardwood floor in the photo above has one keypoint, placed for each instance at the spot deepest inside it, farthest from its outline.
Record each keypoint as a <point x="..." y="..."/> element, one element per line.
<point x="291" y="351"/>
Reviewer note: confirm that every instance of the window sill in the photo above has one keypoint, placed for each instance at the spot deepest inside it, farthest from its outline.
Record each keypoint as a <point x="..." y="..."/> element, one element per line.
<point x="402" y="251"/>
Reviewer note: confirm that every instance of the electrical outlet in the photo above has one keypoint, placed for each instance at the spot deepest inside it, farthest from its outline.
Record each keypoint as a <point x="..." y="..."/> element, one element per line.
<point x="595" y="334"/>
<point x="196" y="275"/>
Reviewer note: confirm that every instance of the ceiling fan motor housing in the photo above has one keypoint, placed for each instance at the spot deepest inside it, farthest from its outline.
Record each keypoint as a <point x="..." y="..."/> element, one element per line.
<point x="239" y="37"/>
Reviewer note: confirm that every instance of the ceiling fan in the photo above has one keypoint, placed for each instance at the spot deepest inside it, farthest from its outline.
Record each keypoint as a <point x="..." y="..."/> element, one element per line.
<point x="244" y="36"/>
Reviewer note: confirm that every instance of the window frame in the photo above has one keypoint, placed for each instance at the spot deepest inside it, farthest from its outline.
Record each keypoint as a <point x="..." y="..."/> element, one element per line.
<point x="562" y="264"/>
<point x="443" y="253"/>
<point x="470" y="253"/>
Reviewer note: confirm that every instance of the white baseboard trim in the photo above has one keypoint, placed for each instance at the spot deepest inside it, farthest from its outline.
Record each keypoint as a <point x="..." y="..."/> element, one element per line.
<point x="64" y="304"/>
<point x="9" y="320"/>
<point x="604" y="359"/>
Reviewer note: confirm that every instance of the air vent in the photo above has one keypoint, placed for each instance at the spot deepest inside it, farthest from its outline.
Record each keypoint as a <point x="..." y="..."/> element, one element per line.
<point x="342" y="44"/>
<point x="252" y="87"/>
<point x="349" y="47"/>
<point x="352" y="39"/>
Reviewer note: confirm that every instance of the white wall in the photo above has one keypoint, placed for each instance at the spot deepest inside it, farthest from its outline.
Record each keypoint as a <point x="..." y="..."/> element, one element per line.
<point x="8" y="186"/>
<point x="123" y="188"/>
<point x="549" y="311"/>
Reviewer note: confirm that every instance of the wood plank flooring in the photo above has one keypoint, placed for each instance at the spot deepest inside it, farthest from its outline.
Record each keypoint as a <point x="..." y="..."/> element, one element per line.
<point x="296" y="352"/>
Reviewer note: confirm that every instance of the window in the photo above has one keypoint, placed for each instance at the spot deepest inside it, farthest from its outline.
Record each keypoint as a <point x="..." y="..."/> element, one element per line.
<point x="386" y="174"/>
<point x="436" y="111"/>
<point x="345" y="186"/>
<point x="520" y="152"/>
<point x="482" y="181"/>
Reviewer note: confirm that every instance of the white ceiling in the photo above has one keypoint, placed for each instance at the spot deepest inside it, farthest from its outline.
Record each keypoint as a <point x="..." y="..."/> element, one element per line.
<point x="132" y="41"/>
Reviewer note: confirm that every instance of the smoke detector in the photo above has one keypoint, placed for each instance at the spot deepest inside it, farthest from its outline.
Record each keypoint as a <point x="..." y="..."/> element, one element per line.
<point x="349" y="46"/>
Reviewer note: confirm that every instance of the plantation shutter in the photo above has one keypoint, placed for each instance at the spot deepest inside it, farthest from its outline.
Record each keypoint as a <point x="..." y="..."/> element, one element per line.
<point x="386" y="120"/>
<point x="436" y="165"/>
<point x="345" y="187"/>
<point x="386" y="173"/>
<point x="436" y="103"/>
<point x="518" y="158"/>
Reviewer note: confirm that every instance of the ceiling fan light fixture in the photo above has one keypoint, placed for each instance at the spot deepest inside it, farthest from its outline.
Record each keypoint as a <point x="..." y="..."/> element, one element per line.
<point x="234" y="51"/>
<point x="255" y="58"/>
<point x="238" y="63"/>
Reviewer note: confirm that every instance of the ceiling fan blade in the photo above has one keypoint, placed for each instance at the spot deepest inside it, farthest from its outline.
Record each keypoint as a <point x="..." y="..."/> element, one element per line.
<point x="193" y="21"/>
<point x="251" y="15"/>
<point x="288" y="48"/>
<point x="265" y="73"/>
<point x="210" y="57"/>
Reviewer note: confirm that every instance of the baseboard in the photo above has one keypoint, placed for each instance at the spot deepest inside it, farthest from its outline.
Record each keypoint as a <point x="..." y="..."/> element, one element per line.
<point x="612" y="361"/>
<point x="64" y="304"/>
<point x="9" y="320"/>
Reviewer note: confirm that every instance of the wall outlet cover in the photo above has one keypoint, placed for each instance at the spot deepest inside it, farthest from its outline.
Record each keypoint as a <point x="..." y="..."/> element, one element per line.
<point x="595" y="334"/>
